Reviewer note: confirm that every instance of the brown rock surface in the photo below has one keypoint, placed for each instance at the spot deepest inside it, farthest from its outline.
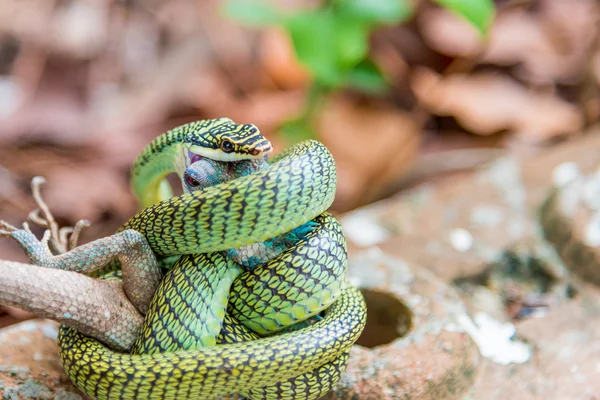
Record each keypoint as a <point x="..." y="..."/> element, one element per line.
<point x="497" y="207"/>
<point x="460" y="227"/>
<point x="566" y="361"/>
<point x="418" y="346"/>
<point x="29" y="363"/>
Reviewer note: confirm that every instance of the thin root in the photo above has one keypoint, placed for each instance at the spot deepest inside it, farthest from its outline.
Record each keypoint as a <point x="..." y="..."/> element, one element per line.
<point x="63" y="234"/>
<point x="34" y="216"/>
<point x="79" y="225"/>
<point x="59" y="239"/>
<point x="47" y="219"/>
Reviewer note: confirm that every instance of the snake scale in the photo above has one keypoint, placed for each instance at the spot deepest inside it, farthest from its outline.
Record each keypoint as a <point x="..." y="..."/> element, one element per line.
<point x="200" y="340"/>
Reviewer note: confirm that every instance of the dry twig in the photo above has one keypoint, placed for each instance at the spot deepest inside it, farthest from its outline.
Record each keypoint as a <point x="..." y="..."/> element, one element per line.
<point x="62" y="239"/>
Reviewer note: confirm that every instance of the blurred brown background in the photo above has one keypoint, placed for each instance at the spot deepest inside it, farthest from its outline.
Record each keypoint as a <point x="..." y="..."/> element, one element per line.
<point x="85" y="84"/>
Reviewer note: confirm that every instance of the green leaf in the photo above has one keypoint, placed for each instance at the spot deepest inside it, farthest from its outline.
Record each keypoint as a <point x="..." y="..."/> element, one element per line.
<point x="480" y="13"/>
<point x="252" y="12"/>
<point x="367" y="78"/>
<point x="313" y="36"/>
<point x="376" y="11"/>
<point x="351" y="42"/>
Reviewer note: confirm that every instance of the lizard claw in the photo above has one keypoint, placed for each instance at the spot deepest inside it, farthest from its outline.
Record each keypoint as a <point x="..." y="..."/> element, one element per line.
<point x="36" y="250"/>
<point x="6" y="229"/>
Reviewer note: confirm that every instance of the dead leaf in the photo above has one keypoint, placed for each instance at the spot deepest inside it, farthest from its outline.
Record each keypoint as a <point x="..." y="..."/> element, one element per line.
<point x="486" y="103"/>
<point x="516" y="37"/>
<point x="448" y="34"/>
<point x="278" y="58"/>
<point x="547" y="45"/>
<point x="550" y="45"/>
<point x="80" y="29"/>
<point x="372" y="146"/>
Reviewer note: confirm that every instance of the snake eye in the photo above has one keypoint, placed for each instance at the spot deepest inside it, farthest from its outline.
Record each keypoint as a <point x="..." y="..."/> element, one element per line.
<point x="227" y="146"/>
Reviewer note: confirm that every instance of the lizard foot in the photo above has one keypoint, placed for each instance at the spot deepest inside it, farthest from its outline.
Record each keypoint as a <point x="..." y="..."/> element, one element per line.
<point x="6" y="229"/>
<point x="37" y="250"/>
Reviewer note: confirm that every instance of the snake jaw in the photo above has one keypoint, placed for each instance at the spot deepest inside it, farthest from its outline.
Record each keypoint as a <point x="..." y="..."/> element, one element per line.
<point x="239" y="154"/>
<point x="193" y="157"/>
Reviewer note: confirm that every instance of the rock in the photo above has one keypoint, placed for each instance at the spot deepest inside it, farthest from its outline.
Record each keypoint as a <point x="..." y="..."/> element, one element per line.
<point x="29" y="363"/>
<point x="460" y="227"/>
<point x="571" y="222"/>
<point x="418" y="345"/>
<point x="565" y="363"/>
<point x="496" y="207"/>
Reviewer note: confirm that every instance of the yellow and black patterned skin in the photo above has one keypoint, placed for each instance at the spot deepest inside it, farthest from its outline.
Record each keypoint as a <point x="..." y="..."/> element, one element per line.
<point x="200" y="342"/>
<point x="305" y="282"/>
<point x="223" y="140"/>
<point x="213" y="371"/>
<point x="218" y="139"/>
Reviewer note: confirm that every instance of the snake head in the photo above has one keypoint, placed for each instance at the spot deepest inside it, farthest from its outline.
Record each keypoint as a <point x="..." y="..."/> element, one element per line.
<point x="222" y="139"/>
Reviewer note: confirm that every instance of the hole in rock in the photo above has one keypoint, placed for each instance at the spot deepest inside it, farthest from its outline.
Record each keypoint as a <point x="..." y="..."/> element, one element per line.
<point x="522" y="283"/>
<point x="387" y="319"/>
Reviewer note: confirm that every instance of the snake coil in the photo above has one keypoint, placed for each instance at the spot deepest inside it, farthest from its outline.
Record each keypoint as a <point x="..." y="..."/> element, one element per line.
<point x="298" y="186"/>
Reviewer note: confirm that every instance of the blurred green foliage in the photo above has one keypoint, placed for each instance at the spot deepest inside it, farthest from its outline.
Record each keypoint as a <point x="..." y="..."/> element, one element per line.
<point x="332" y="41"/>
<point x="480" y="13"/>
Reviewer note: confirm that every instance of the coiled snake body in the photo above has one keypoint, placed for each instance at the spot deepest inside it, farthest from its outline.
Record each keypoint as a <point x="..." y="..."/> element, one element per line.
<point x="192" y="309"/>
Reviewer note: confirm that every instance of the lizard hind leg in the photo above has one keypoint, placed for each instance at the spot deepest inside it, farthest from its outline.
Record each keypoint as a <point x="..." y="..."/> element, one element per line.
<point x="97" y="308"/>
<point x="140" y="269"/>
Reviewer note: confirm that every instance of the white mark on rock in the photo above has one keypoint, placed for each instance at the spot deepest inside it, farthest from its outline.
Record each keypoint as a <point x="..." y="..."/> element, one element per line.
<point x="591" y="192"/>
<point x="50" y="331"/>
<point x="487" y="216"/>
<point x="565" y="173"/>
<point x="461" y="240"/>
<point x="592" y="231"/>
<point x="505" y="174"/>
<point x="28" y="326"/>
<point x="360" y="226"/>
<point x="369" y="268"/>
<point x="574" y="368"/>
<point x="495" y="339"/>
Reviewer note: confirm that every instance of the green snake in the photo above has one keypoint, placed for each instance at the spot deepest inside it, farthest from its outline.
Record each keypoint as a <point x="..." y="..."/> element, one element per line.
<point x="302" y="281"/>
